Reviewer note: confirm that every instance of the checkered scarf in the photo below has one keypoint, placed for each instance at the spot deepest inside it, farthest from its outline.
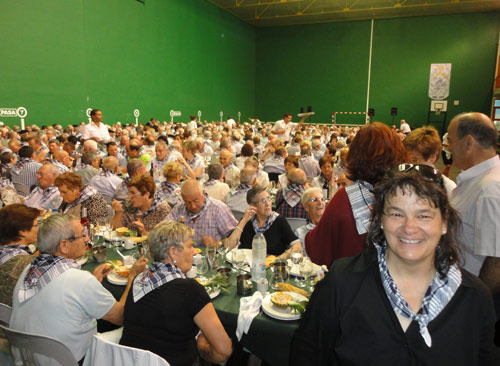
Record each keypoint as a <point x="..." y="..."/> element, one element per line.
<point x="46" y="193"/>
<point x="195" y="215"/>
<point x="157" y="200"/>
<point x="438" y="295"/>
<point x="20" y="164"/>
<point x="292" y="193"/>
<point x="107" y="173"/>
<point x="9" y="251"/>
<point x="211" y="182"/>
<point x="4" y="183"/>
<point x="361" y="199"/>
<point x="270" y="220"/>
<point x="155" y="276"/>
<point x="169" y="188"/>
<point x="44" y="268"/>
<point x="87" y="192"/>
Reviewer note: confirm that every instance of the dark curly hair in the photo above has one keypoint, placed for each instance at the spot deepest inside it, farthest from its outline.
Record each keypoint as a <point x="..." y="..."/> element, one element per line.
<point x="447" y="250"/>
<point x="375" y="149"/>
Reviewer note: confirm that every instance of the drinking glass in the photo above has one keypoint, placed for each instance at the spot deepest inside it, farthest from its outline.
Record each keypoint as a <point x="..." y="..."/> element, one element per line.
<point x="239" y="259"/>
<point x="211" y="255"/>
<point x="276" y="277"/>
<point x="306" y="270"/>
<point x="202" y="269"/>
<point x="221" y="251"/>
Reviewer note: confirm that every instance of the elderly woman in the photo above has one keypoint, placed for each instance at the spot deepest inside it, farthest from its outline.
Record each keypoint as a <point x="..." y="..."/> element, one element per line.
<point x="314" y="204"/>
<point x="246" y="152"/>
<point x="169" y="190"/>
<point x="260" y="216"/>
<point x="143" y="211"/>
<point x="406" y="288"/>
<point x="326" y="180"/>
<point x="262" y="176"/>
<point x="76" y="197"/>
<point x="343" y="227"/>
<point x="165" y="311"/>
<point x="424" y="146"/>
<point x="18" y="230"/>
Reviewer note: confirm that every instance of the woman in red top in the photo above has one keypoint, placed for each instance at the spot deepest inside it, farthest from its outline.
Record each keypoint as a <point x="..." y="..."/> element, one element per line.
<point x="343" y="227"/>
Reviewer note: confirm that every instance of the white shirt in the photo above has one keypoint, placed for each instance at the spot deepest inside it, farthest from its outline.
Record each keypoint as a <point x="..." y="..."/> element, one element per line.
<point x="105" y="185"/>
<point x="219" y="191"/>
<point x="288" y="127"/>
<point x="477" y="198"/>
<point x="405" y="128"/>
<point x="66" y="309"/>
<point x="230" y="123"/>
<point x="92" y="130"/>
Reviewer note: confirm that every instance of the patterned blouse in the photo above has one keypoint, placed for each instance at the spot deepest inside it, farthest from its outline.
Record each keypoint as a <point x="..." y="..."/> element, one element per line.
<point x="150" y="220"/>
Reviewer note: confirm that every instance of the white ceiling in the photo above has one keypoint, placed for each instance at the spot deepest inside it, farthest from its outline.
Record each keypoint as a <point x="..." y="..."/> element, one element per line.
<point x="264" y="13"/>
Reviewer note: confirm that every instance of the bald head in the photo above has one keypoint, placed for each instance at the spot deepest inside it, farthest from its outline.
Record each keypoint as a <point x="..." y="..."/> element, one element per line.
<point x="110" y="163"/>
<point x="297" y="176"/>
<point x="193" y="195"/>
<point x="46" y="175"/>
<point x="477" y="125"/>
<point x="225" y="157"/>
<point x="90" y="145"/>
<point x="248" y="176"/>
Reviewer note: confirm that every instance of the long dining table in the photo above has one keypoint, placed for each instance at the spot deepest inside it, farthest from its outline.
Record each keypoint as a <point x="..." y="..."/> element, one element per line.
<point x="267" y="338"/>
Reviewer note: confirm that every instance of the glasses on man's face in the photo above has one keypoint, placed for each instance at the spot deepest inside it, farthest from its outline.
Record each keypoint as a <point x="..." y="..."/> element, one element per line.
<point x="73" y="238"/>
<point x="316" y="199"/>
<point x="264" y="200"/>
<point x="425" y="171"/>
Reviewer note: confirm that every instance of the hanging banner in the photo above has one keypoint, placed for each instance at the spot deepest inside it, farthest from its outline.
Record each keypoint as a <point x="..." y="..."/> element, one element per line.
<point x="439" y="82"/>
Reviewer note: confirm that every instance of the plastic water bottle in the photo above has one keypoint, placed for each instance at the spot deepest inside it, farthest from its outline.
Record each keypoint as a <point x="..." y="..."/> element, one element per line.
<point x="259" y="251"/>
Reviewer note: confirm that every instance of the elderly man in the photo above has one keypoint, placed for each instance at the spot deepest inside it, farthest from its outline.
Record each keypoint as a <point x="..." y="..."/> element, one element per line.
<point x="54" y="274"/>
<point x="135" y="151"/>
<point x="159" y="161"/>
<point x="231" y="172"/>
<point x="472" y="139"/>
<point x="307" y="162"/>
<point x="96" y="130"/>
<point x="314" y="204"/>
<point x="288" y="198"/>
<point x="25" y="170"/>
<point x="209" y="218"/>
<point x="62" y="161"/>
<point x="40" y="149"/>
<point x="14" y="145"/>
<point x="275" y="165"/>
<point x="90" y="166"/>
<point x="135" y="167"/>
<point x="107" y="181"/>
<point x="45" y="195"/>
<point x="237" y="198"/>
<point x="215" y="186"/>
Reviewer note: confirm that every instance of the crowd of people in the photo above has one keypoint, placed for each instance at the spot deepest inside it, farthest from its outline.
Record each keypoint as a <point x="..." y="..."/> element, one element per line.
<point x="404" y="243"/>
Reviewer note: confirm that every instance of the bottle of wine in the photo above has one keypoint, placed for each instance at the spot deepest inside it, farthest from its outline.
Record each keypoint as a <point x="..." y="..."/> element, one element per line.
<point x="85" y="221"/>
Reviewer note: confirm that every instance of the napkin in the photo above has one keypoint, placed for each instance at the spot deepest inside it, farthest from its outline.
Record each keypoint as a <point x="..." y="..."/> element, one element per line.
<point x="249" y="309"/>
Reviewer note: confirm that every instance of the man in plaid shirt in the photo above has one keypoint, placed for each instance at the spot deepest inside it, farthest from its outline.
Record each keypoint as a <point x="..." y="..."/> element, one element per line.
<point x="208" y="217"/>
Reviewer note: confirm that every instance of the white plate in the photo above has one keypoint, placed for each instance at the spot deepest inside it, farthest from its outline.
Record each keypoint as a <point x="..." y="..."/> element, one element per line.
<point x="82" y="260"/>
<point x="115" y="279"/>
<point x="109" y="236"/>
<point x="295" y="269"/>
<point x="278" y="313"/>
<point x="214" y="294"/>
<point x="229" y="255"/>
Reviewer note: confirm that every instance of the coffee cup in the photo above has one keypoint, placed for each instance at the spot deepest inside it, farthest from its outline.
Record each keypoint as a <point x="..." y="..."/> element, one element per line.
<point x="128" y="244"/>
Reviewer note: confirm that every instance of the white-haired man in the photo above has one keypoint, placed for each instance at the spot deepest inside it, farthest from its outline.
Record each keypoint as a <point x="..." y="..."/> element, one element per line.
<point x="53" y="297"/>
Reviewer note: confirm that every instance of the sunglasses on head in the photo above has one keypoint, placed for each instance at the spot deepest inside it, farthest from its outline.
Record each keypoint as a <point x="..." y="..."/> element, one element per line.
<point x="426" y="171"/>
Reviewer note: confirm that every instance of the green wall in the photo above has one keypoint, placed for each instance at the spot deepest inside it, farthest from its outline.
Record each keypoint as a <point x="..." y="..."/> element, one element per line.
<point x="326" y="66"/>
<point x="60" y="57"/>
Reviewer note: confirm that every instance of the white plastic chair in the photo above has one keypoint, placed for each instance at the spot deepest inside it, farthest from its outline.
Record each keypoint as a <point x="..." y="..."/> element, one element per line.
<point x="295" y="222"/>
<point x="5" y="311"/>
<point x="27" y="346"/>
<point x="105" y="352"/>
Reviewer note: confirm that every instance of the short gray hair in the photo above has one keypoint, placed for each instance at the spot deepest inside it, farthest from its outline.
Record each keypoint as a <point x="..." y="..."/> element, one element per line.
<point x="306" y="196"/>
<point x="53" y="230"/>
<point x="248" y="175"/>
<point x="133" y="166"/>
<point x="215" y="171"/>
<point x="189" y="182"/>
<point x="165" y="235"/>
<point x="253" y="193"/>
<point x="89" y="156"/>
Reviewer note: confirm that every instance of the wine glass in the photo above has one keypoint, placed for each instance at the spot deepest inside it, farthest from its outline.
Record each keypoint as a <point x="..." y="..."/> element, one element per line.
<point x="239" y="259"/>
<point x="211" y="255"/>
<point x="221" y="250"/>
<point x="306" y="270"/>
<point x="276" y="277"/>
<point x="202" y="269"/>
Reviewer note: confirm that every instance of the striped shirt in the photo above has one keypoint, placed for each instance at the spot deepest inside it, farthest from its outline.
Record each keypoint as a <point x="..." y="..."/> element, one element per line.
<point x="25" y="173"/>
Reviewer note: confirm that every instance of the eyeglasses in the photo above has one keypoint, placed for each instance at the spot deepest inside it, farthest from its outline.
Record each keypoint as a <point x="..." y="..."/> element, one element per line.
<point x="264" y="200"/>
<point x="426" y="171"/>
<point x="73" y="238"/>
<point x="315" y="199"/>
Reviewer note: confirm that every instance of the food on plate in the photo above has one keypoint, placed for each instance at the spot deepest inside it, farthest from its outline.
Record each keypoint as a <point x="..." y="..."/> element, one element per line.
<point x="270" y="260"/>
<point x="121" y="230"/>
<point x="119" y="268"/>
<point x="197" y="250"/>
<point x="138" y="239"/>
<point x="281" y="299"/>
<point x="291" y="288"/>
